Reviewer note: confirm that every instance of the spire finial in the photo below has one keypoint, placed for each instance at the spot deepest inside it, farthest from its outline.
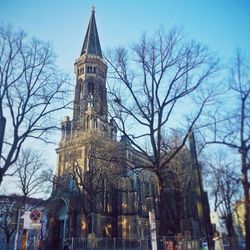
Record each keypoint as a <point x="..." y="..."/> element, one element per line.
<point x="93" y="9"/>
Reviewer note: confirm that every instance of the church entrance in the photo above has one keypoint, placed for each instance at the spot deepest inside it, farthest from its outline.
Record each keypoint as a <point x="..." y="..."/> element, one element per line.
<point x="60" y="228"/>
<point x="58" y="234"/>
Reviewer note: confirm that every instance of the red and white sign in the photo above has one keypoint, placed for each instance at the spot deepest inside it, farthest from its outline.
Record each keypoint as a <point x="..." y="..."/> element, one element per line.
<point x="35" y="215"/>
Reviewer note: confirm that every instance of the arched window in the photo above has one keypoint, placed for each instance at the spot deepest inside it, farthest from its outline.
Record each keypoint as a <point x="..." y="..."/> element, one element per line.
<point x="91" y="88"/>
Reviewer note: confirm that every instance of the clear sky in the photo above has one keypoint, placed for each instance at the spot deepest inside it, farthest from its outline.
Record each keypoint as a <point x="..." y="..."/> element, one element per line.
<point x="222" y="25"/>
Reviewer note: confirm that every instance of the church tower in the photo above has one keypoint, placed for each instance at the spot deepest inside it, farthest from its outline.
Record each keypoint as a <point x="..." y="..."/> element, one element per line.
<point x="90" y="91"/>
<point x="90" y="111"/>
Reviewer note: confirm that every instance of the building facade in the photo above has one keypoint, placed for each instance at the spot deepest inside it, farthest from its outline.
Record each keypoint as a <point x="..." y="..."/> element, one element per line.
<point x="111" y="200"/>
<point x="239" y="218"/>
<point x="115" y="212"/>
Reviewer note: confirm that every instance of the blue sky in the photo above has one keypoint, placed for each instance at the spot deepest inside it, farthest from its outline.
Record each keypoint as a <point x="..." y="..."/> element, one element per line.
<point x="222" y="25"/>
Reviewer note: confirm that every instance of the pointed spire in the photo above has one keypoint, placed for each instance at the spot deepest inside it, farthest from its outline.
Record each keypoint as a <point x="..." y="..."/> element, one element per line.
<point x="91" y="44"/>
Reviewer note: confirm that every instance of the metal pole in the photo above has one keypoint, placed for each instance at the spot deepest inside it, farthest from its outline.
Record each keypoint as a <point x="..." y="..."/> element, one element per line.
<point x="17" y="229"/>
<point x="34" y="240"/>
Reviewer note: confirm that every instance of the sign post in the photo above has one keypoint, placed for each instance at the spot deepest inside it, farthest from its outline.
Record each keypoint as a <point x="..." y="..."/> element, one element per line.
<point x="152" y="224"/>
<point x="26" y="225"/>
<point x="17" y="229"/>
<point x="35" y="216"/>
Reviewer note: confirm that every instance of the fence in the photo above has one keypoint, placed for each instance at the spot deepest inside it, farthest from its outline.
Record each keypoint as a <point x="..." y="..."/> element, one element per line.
<point x="163" y="243"/>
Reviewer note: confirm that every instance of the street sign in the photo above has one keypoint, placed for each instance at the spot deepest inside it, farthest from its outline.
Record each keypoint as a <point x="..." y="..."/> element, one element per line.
<point x="26" y="220"/>
<point x="35" y="215"/>
<point x="35" y="225"/>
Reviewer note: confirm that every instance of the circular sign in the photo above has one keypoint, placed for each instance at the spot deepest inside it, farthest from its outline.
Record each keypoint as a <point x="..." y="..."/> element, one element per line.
<point x="35" y="215"/>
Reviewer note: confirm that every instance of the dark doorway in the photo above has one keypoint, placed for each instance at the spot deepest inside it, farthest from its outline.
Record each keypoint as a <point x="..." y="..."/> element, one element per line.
<point x="58" y="234"/>
<point x="59" y="228"/>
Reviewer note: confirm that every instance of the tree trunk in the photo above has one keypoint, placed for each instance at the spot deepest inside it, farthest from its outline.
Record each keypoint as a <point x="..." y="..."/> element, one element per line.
<point x="169" y="218"/>
<point x="8" y="245"/>
<point x="8" y="238"/>
<point x="1" y="175"/>
<point x="246" y="199"/>
<point x="2" y="129"/>
<point x="164" y="230"/>
<point x="231" y="232"/>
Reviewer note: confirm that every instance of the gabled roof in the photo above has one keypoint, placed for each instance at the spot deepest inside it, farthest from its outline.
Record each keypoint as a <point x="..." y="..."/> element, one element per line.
<point x="91" y="44"/>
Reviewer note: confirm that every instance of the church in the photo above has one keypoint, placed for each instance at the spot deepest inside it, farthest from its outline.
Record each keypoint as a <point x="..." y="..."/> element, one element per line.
<point x="95" y="191"/>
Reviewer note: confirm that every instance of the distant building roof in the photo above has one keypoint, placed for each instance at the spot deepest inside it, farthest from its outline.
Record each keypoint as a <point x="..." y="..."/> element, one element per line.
<point x="20" y="198"/>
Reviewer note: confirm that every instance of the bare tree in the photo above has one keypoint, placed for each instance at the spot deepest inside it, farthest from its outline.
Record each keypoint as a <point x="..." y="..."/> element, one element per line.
<point x="231" y="125"/>
<point x="223" y="183"/>
<point x="31" y="172"/>
<point x="152" y="84"/>
<point x="179" y="183"/>
<point x="8" y="211"/>
<point x="32" y="89"/>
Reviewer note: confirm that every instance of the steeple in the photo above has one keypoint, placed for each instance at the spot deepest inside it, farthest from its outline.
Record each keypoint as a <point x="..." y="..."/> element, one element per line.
<point x="91" y="44"/>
